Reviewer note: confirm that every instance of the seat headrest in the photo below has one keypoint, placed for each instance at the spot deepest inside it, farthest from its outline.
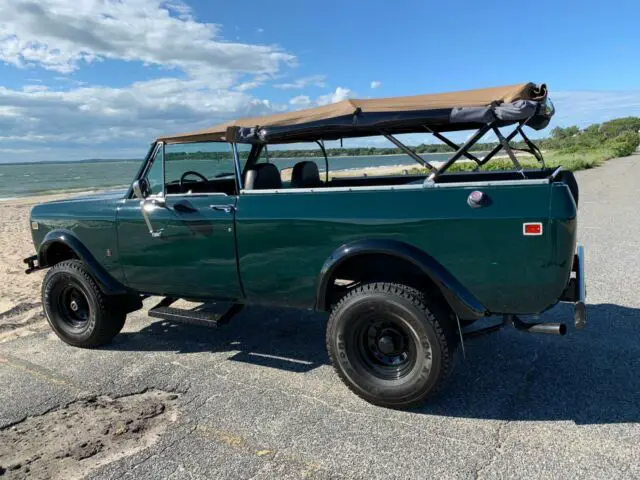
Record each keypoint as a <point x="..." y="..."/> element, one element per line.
<point x="262" y="176"/>
<point x="305" y="175"/>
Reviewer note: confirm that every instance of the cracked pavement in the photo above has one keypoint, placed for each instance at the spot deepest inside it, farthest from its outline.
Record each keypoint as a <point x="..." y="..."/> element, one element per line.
<point x="258" y="399"/>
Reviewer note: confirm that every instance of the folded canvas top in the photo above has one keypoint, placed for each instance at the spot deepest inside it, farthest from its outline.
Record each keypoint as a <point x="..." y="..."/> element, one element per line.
<point x="451" y="111"/>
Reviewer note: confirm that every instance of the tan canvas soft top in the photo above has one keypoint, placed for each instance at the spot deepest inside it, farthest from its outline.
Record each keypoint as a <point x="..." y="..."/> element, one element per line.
<point x="467" y="98"/>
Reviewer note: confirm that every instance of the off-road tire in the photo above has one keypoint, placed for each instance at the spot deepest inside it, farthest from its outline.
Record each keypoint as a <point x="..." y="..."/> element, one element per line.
<point x="102" y="319"/>
<point x="430" y="335"/>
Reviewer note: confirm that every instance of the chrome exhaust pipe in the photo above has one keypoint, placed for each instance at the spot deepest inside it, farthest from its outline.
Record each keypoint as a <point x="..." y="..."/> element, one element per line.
<point x="546" y="328"/>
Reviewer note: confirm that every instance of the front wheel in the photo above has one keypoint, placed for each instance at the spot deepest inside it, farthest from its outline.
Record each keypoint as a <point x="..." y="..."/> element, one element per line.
<point x="389" y="346"/>
<point x="77" y="310"/>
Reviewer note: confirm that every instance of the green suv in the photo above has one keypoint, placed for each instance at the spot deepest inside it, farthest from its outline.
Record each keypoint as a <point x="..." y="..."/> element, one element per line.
<point x="404" y="264"/>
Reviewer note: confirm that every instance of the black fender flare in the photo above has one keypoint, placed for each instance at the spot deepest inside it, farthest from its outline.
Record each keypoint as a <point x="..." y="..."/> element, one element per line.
<point x="106" y="282"/>
<point x="463" y="303"/>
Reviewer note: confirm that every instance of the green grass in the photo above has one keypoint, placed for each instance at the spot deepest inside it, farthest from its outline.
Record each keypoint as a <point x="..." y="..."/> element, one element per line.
<point x="570" y="161"/>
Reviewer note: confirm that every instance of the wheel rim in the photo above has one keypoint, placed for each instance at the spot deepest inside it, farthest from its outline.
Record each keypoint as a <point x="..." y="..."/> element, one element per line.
<point x="73" y="306"/>
<point x="384" y="346"/>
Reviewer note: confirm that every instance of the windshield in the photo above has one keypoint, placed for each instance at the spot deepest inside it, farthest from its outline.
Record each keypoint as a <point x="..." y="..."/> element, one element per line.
<point x="211" y="160"/>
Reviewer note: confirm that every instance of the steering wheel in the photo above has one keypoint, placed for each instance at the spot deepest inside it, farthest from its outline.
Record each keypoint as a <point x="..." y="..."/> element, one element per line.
<point x="191" y="172"/>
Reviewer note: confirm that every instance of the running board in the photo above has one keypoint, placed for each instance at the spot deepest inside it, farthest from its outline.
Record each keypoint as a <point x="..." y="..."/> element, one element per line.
<point x="197" y="316"/>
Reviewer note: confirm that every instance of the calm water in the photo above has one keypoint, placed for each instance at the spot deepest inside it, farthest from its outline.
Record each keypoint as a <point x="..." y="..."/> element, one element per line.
<point x="33" y="179"/>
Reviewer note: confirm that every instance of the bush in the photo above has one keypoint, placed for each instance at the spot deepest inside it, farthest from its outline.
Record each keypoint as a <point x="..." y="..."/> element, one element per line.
<point x="617" y="127"/>
<point x="625" y="144"/>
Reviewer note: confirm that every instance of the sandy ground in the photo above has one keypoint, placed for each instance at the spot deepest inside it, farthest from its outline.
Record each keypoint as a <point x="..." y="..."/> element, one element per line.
<point x="102" y="429"/>
<point x="257" y="399"/>
<point x="19" y="302"/>
<point x="19" y="293"/>
<point x="358" y="172"/>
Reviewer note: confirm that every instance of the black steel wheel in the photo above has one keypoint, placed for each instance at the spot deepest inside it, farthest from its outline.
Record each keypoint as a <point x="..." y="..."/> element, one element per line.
<point x="75" y="307"/>
<point x="384" y="345"/>
<point x="389" y="346"/>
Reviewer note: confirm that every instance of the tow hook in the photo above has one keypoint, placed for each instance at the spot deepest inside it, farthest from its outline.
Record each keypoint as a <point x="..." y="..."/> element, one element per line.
<point x="32" y="263"/>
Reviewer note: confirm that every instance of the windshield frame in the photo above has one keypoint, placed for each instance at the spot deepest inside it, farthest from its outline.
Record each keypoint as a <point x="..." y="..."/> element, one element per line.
<point x="157" y="145"/>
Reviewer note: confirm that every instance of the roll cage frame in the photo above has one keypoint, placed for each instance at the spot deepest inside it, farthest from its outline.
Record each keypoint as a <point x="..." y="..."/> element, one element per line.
<point x="460" y="151"/>
<point x="463" y="150"/>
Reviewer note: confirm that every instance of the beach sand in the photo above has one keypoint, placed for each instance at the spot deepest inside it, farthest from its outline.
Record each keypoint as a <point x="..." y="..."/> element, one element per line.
<point x="20" y="307"/>
<point x="358" y="172"/>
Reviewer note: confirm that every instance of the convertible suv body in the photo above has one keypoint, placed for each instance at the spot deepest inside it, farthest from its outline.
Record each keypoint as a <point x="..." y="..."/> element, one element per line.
<point x="404" y="264"/>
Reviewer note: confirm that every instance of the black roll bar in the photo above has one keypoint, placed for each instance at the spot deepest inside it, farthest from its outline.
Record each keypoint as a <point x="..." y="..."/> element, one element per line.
<point x="464" y="149"/>
<point x="326" y="160"/>
<point x="409" y="152"/>
<point x="453" y="145"/>
<point x="460" y="152"/>
<point x="507" y="148"/>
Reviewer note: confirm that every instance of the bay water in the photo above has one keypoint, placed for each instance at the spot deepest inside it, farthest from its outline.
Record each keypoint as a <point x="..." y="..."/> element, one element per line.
<point x="26" y="179"/>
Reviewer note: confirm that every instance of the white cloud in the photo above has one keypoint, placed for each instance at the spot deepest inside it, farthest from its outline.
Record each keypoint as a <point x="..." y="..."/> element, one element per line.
<point x="96" y="117"/>
<point x="141" y="105"/>
<point x="314" y="80"/>
<point x="243" y="87"/>
<point x="256" y="82"/>
<point x="300" y="101"/>
<point x="206" y="79"/>
<point x="260" y="30"/>
<point x="340" y="94"/>
<point x="583" y="108"/>
<point x="62" y="35"/>
<point x="34" y="88"/>
<point x="375" y="84"/>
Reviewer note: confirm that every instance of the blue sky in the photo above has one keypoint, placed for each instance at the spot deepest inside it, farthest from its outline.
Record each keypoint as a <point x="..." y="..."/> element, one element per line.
<point x="100" y="79"/>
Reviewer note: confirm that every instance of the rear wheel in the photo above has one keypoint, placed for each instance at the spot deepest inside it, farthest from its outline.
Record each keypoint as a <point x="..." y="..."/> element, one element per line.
<point x="390" y="345"/>
<point x="77" y="310"/>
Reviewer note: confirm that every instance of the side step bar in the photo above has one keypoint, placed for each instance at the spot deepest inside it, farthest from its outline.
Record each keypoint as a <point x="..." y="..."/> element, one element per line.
<point x="200" y="315"/>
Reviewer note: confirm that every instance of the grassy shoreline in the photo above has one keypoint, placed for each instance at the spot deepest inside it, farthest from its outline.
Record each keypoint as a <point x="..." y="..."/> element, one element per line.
<point x="570" y="161"/>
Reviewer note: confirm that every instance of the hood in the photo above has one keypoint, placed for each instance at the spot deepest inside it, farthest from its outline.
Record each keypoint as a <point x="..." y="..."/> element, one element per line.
<point x="105" y="195"/>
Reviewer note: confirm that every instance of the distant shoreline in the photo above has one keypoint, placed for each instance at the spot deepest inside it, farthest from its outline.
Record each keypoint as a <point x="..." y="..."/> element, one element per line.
<point x="67" y="162"/>
<point x="275" y="158"/>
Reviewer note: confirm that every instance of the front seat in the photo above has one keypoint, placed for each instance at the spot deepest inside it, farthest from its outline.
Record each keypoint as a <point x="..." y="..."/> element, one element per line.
<point x="263" y="176"/>
<point x="305" y="175"/>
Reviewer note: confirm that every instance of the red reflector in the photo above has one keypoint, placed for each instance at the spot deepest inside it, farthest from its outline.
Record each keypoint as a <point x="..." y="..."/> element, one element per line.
<point x="532" y="228"/>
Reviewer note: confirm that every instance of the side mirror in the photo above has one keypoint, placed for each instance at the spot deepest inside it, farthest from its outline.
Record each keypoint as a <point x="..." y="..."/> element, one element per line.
<point x="141" y="188"/>
<point x="137" y="191"/>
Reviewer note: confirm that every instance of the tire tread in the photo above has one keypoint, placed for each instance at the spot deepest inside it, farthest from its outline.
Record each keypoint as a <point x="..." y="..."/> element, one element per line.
<point x="109" y="320"/>
<point x="419" y="300"/>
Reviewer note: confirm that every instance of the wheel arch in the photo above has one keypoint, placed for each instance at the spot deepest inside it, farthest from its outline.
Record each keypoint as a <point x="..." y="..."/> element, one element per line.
<point x="462" y="302"/>
<point x="59" y="245"/>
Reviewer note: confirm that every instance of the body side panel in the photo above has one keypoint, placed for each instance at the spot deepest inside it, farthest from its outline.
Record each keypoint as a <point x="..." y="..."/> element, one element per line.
<point x="194" y="257"/>
<point x="285" y="239"/>
<point x="89" y="222"/>
<point x="462" y="302"/>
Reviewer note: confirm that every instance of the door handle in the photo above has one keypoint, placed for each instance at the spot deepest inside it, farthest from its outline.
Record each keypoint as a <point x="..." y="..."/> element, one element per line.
<point x="223" y="208"/>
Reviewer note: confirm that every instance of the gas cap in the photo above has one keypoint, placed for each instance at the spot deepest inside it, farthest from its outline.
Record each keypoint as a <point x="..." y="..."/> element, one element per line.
<point x="477" y="199"/>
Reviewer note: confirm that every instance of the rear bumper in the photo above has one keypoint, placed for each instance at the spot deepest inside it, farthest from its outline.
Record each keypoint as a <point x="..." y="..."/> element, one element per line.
<point x="576" y="291"/>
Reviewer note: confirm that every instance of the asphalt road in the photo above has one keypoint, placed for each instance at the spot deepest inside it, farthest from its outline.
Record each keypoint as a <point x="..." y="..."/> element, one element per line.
<point x="257" y="398"/>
